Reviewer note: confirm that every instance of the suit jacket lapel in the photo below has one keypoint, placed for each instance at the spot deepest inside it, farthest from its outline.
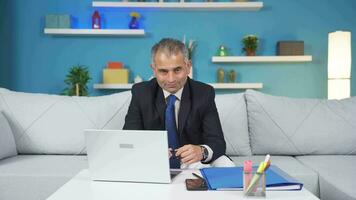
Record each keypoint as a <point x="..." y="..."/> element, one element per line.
<point x="160" y="105"/>
<point x="184" y="107"/>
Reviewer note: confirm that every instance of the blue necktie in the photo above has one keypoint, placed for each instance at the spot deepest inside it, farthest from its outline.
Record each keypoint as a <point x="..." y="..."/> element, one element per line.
<point x="172" y="131"/>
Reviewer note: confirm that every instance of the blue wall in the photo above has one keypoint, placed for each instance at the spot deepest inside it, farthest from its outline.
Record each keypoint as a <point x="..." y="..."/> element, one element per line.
<point x="5" y="44"/>
<point x="34" y="62"/>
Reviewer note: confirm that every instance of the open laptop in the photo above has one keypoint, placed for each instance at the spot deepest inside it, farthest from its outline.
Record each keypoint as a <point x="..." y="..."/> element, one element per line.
<point x="128" y="155"/>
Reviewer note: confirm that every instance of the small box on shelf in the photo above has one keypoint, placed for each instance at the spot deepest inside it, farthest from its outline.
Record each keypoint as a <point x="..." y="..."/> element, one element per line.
<point x="51" y="21"/>
<point x="114" y="76"/>
<point x="64" y="21"/>
<point x="290" y="48"/>
<point x="58" y="21"/>
<point x="115" y="65"/>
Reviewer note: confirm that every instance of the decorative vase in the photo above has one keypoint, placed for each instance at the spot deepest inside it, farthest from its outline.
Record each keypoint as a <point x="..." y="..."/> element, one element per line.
<point x="250" y="52"/>
<point x="232" y="76"/>
<point x="220" y="75"/>
<point x="222" y="51"/>
<point x="96" y="21"/>
<point x="134" y="23"/>
<point x="138" y="79"/>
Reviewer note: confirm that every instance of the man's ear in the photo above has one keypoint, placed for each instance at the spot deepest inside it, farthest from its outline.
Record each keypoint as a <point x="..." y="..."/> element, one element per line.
<point x="189" y="64"/>
<point x="153" y="69"/>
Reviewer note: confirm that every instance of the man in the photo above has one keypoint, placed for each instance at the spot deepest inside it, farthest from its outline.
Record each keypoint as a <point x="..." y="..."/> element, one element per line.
<point x="158" y="103"/>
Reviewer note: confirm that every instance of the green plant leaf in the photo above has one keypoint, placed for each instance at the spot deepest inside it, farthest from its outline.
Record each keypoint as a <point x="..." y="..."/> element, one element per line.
<point x="78" y="74"/>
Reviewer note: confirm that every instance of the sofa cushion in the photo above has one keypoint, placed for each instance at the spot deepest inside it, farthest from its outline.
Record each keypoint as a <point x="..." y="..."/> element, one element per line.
<point x="336" y="175"/>
<point x="290" y="165"/>
<point x="233" y="117"/>
<point x="37" y="177"/>
<point x="54" y="124"/>
<point x="288" y="126"/>
<point x="7" y="142"/>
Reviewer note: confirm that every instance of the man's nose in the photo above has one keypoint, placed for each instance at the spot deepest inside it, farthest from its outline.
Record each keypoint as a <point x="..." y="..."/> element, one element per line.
<point x="170" y="76"/>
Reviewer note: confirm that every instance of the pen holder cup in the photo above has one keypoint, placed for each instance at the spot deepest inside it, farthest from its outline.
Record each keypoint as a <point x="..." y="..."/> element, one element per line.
<point x="254" y="184"/>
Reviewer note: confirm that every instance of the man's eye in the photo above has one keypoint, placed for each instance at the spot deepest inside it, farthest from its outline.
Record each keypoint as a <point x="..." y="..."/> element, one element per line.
<point x="178" y="70"/>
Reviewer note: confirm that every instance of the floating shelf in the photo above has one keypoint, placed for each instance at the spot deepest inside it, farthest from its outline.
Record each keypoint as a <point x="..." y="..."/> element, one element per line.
<point x="256" y="59"/>
<point x="215" y="85"/>
<point x="113" y="86"/>
<point x="98" y="32"/>
<point x="243" y="6"/>
<point x="236" y="85"/>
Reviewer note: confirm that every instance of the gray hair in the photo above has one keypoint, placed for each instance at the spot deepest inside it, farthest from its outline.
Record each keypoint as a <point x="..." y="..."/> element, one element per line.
<point x="169" y="46"/>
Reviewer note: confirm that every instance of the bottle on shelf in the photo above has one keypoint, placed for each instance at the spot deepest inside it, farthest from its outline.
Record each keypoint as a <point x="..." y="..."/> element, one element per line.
<point x="134" y="23"/>
<point x="96" y="21"/>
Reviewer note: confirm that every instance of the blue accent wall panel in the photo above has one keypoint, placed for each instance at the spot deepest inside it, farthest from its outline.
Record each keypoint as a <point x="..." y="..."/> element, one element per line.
<point x="35" y="62"/>
<point x="4" y="45"/>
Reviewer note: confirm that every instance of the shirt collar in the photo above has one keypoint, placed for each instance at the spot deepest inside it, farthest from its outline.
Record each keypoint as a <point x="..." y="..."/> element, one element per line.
<point x="178" y="94"/>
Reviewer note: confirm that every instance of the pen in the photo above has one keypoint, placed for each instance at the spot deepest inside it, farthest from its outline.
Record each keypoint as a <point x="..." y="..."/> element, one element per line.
<point x="266" y="162"/>
<point x="268" y="157"/>
<point x="261" y="167"/>
<point x="196" y="175"/>
<point x="247" y="173"/>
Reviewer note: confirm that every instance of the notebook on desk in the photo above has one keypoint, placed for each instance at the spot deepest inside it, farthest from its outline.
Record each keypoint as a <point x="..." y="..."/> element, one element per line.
<point x="129" y="156"/>
<point x="230" y="178"/>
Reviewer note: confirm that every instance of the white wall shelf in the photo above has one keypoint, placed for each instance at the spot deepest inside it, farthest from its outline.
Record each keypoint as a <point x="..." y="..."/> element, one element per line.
<point x="243" y="6"/>
<point x="113" y="86"/>
<point x="215" y="85"/>
<point x="95" y="32"/>
<point x="237" y="85"/>
<point x="262" y="59"/>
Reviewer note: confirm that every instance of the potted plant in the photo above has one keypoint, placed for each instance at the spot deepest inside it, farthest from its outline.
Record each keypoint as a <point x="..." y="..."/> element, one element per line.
<point x="76" y="81"/>
<point x="190" y="48"/>
<point x="250" y="43"/>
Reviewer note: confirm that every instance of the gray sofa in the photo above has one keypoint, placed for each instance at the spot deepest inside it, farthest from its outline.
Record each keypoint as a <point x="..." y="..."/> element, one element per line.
<point x="42" y="143"/>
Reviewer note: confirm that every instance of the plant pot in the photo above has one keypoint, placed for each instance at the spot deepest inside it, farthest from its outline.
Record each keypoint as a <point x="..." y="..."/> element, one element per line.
<point x="250" y="52"/>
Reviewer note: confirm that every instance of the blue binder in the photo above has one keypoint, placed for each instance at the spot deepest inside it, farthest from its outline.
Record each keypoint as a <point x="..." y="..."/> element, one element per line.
<point x="230" y="178"/>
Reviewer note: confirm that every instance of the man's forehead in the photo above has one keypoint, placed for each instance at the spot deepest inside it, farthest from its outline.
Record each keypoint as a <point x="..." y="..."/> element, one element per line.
<point x="167" y="67"/>
<point x="168" y="62"/>
<point x="167" y="54"/>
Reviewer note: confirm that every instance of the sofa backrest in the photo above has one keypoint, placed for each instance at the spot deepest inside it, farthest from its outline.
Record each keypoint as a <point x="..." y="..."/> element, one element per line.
<point x="233" y="117"/>
<point x="54" y="124"/>
<point x="290" y="126"/>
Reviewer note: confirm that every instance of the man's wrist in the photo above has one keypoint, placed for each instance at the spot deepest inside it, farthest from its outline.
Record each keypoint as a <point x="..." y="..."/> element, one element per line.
<point x="204" y="153"/>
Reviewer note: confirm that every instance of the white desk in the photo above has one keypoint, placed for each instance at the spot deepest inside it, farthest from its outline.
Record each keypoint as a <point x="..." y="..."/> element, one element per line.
<point x="82" y="188"/>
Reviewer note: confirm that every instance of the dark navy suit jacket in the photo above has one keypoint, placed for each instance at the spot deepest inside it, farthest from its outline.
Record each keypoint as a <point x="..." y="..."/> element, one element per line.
<point x="198" y="119"/>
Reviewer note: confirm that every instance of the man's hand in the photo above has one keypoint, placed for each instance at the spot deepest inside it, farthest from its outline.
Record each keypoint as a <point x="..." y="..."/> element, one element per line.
<point x="170" y="152"/>
<point x="190" y="153"/>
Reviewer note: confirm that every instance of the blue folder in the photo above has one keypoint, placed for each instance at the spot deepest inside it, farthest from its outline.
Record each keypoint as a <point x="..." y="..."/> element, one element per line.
<point x="230" y="178"/>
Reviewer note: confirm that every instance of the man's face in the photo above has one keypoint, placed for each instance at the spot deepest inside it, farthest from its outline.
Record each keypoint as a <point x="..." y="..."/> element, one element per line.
<point x="171" y="71"/>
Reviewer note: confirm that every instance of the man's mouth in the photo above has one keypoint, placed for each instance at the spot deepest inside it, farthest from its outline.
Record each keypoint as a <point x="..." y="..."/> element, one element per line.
<point x="171" y="85"/>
